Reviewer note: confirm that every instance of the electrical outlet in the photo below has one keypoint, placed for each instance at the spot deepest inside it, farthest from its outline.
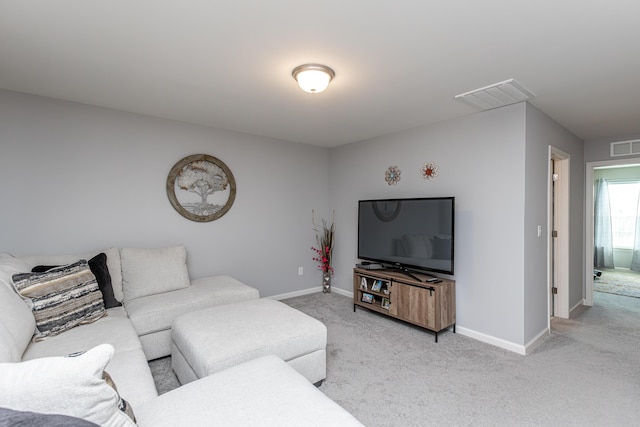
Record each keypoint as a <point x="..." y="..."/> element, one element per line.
<point x="300" y="271"/>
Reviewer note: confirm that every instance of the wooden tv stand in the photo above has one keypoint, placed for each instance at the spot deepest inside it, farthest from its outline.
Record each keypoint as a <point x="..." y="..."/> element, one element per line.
<point x="428" y="305"/>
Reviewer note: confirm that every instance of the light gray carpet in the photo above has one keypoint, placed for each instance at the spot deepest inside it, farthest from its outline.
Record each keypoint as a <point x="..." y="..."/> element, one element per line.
<point x="163" y="375"/>
<point x="388" y="373"/>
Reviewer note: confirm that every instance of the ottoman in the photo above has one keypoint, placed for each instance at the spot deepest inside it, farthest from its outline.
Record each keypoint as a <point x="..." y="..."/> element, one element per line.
<point x="216" y="338"/>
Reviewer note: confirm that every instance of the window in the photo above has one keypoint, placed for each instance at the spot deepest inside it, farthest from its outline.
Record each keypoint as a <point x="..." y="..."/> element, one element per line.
<point x="623" y="198"/>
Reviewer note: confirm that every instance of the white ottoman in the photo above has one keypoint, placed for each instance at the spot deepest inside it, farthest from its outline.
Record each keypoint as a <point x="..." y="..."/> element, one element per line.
<point x="216" y="338"/>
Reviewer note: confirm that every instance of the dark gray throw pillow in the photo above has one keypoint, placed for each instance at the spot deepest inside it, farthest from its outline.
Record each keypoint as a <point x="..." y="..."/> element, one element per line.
<point x="98" y="266"/>
<point x="11" y="418"/>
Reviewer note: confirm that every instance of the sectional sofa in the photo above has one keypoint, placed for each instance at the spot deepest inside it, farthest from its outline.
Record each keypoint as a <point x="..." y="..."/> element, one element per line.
<point x="146" y="290"/>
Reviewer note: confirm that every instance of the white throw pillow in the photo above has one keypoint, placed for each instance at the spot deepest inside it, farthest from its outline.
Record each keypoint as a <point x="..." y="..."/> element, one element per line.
<point x="67" y="385"/>
<point x="153" y="271"/>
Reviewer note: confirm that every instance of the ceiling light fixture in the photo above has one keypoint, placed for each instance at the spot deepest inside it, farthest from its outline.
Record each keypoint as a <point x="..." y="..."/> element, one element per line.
<point x="313" y="78"/>
<point x="496" y="95"/>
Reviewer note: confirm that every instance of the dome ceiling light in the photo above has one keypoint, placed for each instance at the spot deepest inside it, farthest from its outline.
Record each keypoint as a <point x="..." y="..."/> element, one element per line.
<point x="313" y="78"/>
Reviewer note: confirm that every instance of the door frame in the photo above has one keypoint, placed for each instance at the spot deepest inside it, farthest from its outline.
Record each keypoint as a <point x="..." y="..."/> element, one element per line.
<point x="561" y="262"/>
<point x="588" y="223"/>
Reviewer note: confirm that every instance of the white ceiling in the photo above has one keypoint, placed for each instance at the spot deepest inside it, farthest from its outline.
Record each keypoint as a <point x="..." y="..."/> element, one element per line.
<point x="398" y="64"/>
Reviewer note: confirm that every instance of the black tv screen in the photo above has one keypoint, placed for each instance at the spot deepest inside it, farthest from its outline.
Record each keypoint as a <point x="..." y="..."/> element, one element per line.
<point x="410" y="233"/>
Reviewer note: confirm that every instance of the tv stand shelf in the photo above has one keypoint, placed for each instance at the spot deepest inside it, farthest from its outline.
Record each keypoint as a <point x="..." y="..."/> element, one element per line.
<point x="431" y="306"/>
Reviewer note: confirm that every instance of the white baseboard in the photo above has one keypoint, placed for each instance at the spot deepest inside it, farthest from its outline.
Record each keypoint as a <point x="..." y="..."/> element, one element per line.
<point x="461" y="330"/>
<point x="297" y="293"/>
<point x="516" y="348"/>
<point x="536" y="340"/>
<point x="581" y="302"/>
<point x="310" y="291"/>
<point x="342" y="292"/>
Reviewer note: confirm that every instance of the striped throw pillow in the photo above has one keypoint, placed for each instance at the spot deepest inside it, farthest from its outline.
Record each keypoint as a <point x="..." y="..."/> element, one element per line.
<point x="61" y="298"/>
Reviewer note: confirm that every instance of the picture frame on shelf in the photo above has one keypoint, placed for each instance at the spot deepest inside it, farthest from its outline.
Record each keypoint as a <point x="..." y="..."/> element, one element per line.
<point x="376" y="286"/>
<point x="386" y="303"/>
<point x="363" y="284"/>
<point x="367" y="298"/>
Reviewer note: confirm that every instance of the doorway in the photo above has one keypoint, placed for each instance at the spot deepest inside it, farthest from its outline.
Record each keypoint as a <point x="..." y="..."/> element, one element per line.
<point x="558" y="235"/>
<point x="591" y="168"/>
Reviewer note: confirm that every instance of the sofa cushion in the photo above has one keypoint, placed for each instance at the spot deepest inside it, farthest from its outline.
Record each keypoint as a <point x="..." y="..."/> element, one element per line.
<point x="113" y="264"/>
<point x="128" y="366"/>
<point x="71" y="385"/>
<point x="152" y="271"/>
<point x="98" y="266"/>
<point x="114" y="329"/>
<point x="16" y="319"/>
<point x="61" y="298"/>
<point x="156" y="312"/>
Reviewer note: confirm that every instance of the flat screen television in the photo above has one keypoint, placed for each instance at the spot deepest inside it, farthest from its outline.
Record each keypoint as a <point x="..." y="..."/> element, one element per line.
<point x="408" y="233"/>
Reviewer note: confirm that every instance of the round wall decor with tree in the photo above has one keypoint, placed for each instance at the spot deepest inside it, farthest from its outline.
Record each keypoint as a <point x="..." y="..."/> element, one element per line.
<point x="201" y="188"/>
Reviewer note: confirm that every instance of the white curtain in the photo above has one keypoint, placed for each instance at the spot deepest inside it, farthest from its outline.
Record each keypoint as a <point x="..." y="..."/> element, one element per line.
<point x="603" y="238"/>
<point x="635" y="260"/>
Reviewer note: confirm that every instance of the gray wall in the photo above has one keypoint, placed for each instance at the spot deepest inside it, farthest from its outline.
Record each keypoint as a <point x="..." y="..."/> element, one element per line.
<point x="541" y="132"/>
<point x="600" y="149"/>
<point x="481" y="159"/>
<point x="75" y="178"/>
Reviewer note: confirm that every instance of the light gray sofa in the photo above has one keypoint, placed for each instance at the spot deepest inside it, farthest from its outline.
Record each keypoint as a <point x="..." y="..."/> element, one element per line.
<point x="155" y="288"/>
<point x="139" y="331"/>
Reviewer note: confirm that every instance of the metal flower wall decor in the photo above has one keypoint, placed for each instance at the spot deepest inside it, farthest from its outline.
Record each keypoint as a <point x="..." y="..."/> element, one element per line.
<point x="201" y="188"/>
<point x="429" y="171"/>
<point x="392" y="175"/>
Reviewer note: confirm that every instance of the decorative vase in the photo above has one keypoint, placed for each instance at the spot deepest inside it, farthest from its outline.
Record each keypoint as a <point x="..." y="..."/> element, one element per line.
<point x="326" y="282"/>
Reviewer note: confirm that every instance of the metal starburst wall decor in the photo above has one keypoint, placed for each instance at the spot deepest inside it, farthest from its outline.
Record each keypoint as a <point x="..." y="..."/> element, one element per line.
<point x="429" y="171"/>
<point x="392" y="175"/>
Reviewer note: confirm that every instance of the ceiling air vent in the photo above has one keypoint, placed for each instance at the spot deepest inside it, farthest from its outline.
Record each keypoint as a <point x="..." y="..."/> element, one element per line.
<point x="625" y="148"/>
<point x="496" y="95"/>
